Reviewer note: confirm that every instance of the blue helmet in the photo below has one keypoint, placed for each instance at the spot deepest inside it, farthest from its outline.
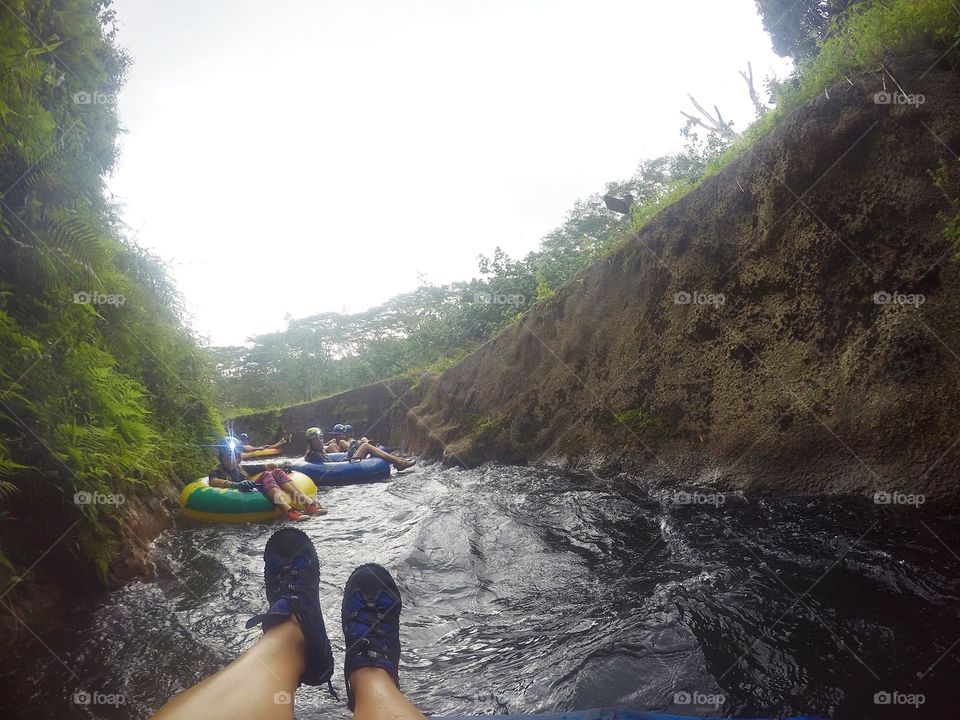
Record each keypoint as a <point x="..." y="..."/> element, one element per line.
<point x="338" y="428"/>
<point x="348" y="429"/>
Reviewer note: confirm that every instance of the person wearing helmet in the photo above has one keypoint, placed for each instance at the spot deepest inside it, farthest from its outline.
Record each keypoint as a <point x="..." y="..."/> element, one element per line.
<point x="315" y="448"/>
<point x="339" y="442"/>
<point x="228" y="473"/>
<point x="273" y="482"/>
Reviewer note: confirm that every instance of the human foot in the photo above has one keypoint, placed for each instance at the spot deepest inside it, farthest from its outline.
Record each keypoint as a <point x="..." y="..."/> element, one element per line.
<point x="370" y="615"/>
<point x="291" y="575"/>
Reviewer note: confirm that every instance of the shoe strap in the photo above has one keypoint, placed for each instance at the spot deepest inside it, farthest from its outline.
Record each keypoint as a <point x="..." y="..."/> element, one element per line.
<point x="332" y="691"/>
<point x="282" y="608"/>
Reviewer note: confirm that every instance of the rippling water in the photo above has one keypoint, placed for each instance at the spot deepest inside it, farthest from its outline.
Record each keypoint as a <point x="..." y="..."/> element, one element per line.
<point x="527" y="591"/>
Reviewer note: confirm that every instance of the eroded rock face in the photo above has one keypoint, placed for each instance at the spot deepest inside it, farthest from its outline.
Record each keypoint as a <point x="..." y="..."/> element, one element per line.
<point x="142" y="520"/>
<point x="378" y="411"/>
<point x="791" y="325"/>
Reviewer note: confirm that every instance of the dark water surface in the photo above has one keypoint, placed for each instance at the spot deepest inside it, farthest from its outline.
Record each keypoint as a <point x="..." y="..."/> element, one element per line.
<point x="527" y="591"/>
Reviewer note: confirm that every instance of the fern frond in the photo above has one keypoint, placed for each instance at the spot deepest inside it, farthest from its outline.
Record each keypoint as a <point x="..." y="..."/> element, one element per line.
<point x="81" y="240"/>
<point x="7" y="489"/>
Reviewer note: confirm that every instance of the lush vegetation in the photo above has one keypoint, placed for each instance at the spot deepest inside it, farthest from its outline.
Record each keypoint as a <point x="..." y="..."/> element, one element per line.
<point x="103" y="390"/>
<point x="431" y="327"/>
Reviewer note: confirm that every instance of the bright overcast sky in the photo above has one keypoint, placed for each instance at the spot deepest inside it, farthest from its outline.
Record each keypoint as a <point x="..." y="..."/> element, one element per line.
<point x="305" y="156"/>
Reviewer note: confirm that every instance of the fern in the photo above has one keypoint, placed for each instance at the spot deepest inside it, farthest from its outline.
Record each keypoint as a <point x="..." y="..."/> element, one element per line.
<point x="81" y="242"/>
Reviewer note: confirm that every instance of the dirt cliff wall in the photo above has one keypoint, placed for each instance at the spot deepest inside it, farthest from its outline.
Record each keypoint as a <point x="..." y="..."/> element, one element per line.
<point x="791" y="325"/>
<point x="378" y="411"/>
<point x="802" y="379"/>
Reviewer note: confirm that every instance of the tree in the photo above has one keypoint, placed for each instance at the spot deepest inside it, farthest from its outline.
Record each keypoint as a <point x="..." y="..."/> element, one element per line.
<point x="797" y="27"/>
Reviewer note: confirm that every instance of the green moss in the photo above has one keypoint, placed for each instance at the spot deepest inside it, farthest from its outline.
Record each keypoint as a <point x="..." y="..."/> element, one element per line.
<point x="635" y="419"/>
<point x="486" y="427"/>
<point x="950" y="219"/>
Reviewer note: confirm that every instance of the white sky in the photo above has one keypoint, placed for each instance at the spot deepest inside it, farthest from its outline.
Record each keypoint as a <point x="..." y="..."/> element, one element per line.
<point x="314" y="155"/>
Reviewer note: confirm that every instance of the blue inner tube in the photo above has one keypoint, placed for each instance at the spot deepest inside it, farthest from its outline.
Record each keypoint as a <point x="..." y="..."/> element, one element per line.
<point x="342" y="472"/>
<point x="595" y="714"/>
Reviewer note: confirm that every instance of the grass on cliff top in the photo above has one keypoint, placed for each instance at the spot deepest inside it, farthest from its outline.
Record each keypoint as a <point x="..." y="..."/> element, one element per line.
<point x="870" y="35"/>
<point x="414" y="374"/>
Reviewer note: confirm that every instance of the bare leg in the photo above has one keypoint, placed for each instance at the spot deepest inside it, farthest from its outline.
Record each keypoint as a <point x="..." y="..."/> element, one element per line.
<point x="280" y="443"/>
<point x="366" y="450"/>
<point x="378" y="698"/>
<point x="279" y="498"/>
<point x="258" y="685"/>
<point x="298" y="496"/>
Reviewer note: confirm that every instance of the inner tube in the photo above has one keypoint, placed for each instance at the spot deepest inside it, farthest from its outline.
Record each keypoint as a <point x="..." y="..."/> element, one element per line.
<point x="199" y="501"/>
<point x="343" y="472"/>
<point x="266" y="452"/>
<point x="254" y="466"/>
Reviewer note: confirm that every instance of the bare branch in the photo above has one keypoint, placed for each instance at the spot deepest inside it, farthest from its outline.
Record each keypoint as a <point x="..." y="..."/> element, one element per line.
<point x="748" y="78"/>
<point x="713" y="124"/>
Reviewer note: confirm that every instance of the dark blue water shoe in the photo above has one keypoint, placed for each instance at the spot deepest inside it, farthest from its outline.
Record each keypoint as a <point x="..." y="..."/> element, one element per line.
<point x="371" y="623"/>
<point x="291" y="573"/>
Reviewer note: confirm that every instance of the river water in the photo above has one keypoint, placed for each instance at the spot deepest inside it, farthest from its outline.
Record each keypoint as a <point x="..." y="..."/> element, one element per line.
<point x="530" y="591"/>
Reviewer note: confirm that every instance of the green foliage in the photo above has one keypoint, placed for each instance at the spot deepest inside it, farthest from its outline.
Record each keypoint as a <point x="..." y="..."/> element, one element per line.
<point x="544" y="291"/>
<point x="94" y="398"/>
<point x="634" y="419"/>
<point x="872" y="33"/>
<point x="951" y="220"/>
<point x="868" y="35"/>
<point x="797" y="27"/>
<point x="486" y="427"/>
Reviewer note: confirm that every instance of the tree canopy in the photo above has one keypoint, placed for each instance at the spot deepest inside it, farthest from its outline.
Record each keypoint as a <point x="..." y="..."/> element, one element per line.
<point x="797" y="27"/>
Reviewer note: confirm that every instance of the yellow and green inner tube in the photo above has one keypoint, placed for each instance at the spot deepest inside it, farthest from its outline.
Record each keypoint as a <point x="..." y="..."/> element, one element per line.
<point x="201" y="502"/>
